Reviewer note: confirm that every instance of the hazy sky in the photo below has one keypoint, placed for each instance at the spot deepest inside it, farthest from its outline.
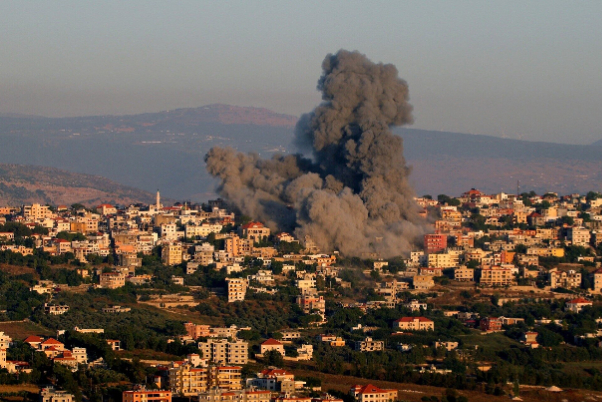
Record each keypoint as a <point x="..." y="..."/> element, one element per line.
<point x="516" y="69"/>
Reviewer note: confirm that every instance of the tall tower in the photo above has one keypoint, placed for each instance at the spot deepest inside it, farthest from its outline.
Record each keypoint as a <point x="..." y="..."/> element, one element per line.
<point x="158" y="200"/>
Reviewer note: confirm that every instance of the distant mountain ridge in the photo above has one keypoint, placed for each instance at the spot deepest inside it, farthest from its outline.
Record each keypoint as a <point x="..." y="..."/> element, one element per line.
<point x="21" y="184"/>
<point x="165" y="151"/>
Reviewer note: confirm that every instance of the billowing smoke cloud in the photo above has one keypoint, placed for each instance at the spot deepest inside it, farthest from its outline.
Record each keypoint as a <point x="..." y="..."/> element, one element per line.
<point x="353" y="194"/>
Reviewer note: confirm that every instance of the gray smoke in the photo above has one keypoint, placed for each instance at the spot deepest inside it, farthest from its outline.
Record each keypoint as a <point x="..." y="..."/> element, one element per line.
<point x="353" y="194"/>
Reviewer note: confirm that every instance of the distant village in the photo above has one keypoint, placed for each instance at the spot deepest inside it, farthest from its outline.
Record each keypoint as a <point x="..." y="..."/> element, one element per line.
<point x="522" y="269"/>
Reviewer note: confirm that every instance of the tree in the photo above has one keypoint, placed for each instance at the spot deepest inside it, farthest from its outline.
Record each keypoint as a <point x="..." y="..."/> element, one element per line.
<point x="273" y="358"/>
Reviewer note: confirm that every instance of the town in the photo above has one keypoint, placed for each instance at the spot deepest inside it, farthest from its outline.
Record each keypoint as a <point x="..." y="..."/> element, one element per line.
<point x="197" y="301"/>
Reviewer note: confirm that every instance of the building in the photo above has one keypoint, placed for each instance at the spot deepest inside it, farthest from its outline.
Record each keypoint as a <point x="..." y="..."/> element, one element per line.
<point x="415" y="305"/>
<point x="443" y="260"/>
<point x="414" y="324"/>
<point x="227" y="377"/>
<point x="370" y="393"/>
<point x="49" y="394"/>
<point x="187" y="380"/>
<point x="562" y="279"/>
<point x="247" y="395"/>
<point x="235" y="246"/>
<point x="223" y="351"/>
<point x="114" y="344"/>
<point x="435" y="243"/>
<point x="579" y="236"/>
<point x="255" y="231"/>
<point x="171" y="254"/>
<point x="489" y="324"/>
<point x="464" y="274"/>
<point x="449" y="346"/>
<point x="37" y="212"/>
<point x="112" y="280"/>
<point x="273" y="379"/>
<point x="116" y="309"/>
<point x="271" y="344"/>
<point x="576" y="305"/>
<point x="237" y="289"/>
<point x="195" y="331"/>
<point x="144" y="395"/>
<point x="311" y="302"/>
<point x="496" y="276"/>
<point x="369" y="345"/>
<point x="54" y="309"/>
<point x="423" y="282"/>
<point x="530" y="339"/>
<point x="597" y="280"/>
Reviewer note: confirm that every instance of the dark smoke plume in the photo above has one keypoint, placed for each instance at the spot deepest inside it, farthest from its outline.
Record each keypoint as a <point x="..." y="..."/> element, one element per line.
<point x="353" y="194"/>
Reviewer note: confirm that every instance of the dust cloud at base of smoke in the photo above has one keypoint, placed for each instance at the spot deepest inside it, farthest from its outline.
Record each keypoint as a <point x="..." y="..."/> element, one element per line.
<point x="351" y="193"/>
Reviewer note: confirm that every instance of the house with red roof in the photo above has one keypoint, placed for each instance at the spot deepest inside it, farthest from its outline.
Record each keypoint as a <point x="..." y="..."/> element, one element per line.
<point x="255" y="231"/>
<point x="576" y="305"/>
<point x="34" y="341"/>
<point x="272" y="344"/>
<point x="106" y="209"/>
<point x="51" y="342"/>
<point x="66" y="359"/>
<point x="371" y="393"/>
<point x="414" y="324"/>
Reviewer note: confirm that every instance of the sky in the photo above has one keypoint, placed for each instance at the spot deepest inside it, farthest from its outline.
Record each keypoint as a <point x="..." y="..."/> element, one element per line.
<point x="515" y="69"/>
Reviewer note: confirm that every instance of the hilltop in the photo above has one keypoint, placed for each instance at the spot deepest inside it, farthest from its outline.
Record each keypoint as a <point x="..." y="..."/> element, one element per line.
<point x="22" y="184"/>
<point x="165" y="151"/>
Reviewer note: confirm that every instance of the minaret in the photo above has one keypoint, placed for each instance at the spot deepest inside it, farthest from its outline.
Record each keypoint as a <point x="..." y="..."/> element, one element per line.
<point x="158" y="201"/>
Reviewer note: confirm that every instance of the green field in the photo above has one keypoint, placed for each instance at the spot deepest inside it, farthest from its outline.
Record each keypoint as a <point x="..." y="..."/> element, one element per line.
<point x="495" y="341"/>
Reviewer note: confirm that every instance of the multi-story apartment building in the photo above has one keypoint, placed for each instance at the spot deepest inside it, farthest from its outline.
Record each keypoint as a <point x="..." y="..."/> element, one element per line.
<point x="202" y="230"/>
<point x="171" y="254"/>
<point x="187" y="380"/>
<point x="414" y="324"/>
<point x="444" y="260"/>
<point x="36" y="212"/>
<point x="597" y="280"/>
<point x="227" y="377"/>
<point x="247" y="395"/>
<point x="369" y="345"/>
<point x="112" y="280"/>
<point x="496" y="276"/>
<point x="222" y="351"/>
<point x="464" y="274"/>
<point x="235" y="246"/>
<point x="579" y="236"/>
<point x="562" y="279"/>
<point x="434" y="243"/>
<point x="237" y="288"/>
<point x="144" y="395"/>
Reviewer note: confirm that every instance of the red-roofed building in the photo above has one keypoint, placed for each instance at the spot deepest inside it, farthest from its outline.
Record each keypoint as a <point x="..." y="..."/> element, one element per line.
<point x="255" y="231"/>
<point x="371" y="393"/>
<point x="536" y="219"/>
<point x="52" y="343"/>
<point x="106" y="209"/>
<point x="414" y="324"/>
<point x="34" y="341"/>
<point x="272" y="344"/>
<point x="576" y="305"/>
